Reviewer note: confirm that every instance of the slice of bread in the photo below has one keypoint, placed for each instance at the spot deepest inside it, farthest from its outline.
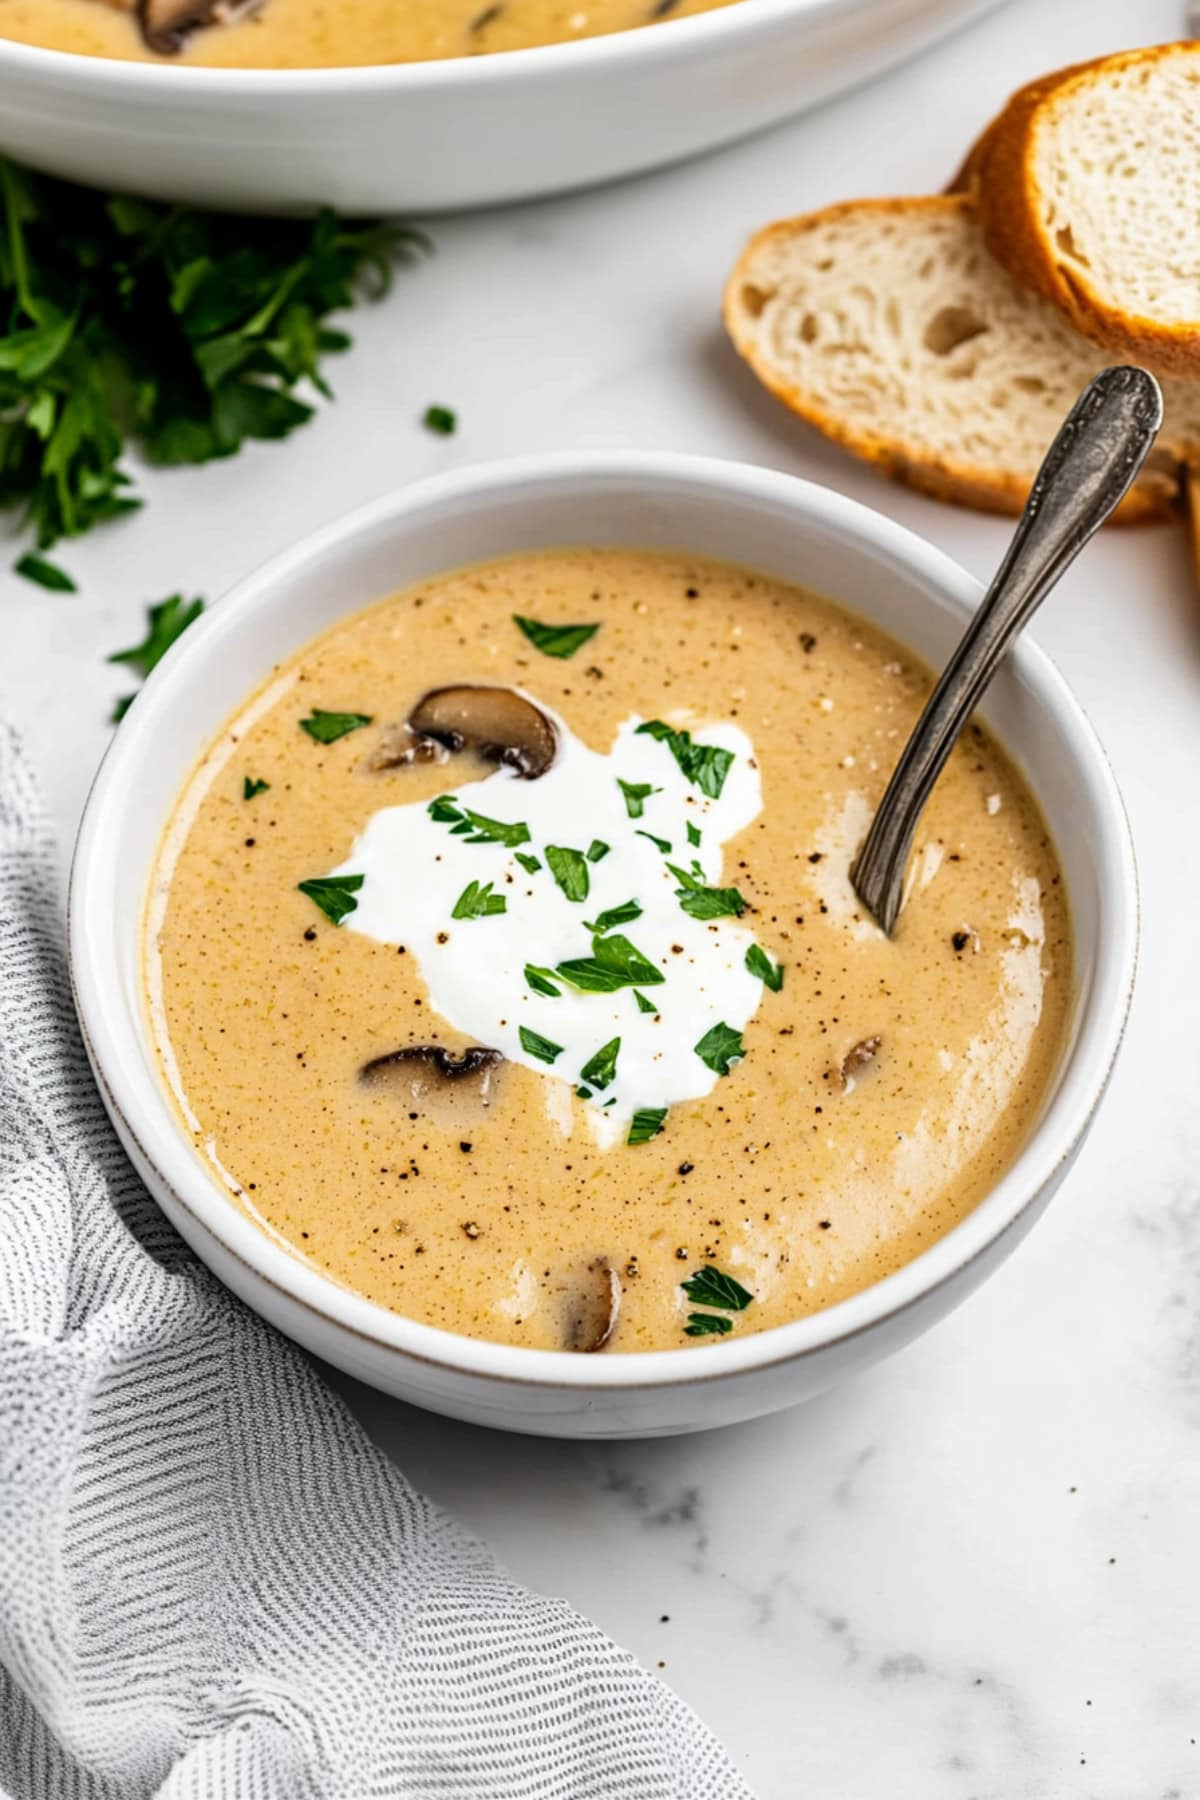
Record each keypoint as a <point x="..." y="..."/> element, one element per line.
<point x="887" y="325"/>
<point x="1088" y="186"/>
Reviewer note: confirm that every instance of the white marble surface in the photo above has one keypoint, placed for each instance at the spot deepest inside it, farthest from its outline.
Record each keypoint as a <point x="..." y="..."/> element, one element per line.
<point x="972" y="1574"/>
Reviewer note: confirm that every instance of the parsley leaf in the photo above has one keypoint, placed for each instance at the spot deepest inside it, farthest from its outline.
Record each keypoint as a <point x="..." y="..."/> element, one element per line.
<point x="661" y="844"/>
<point x="328" y="727"/>
<point x="535" y="1045"/>
<point x="720" y="1047"/>
<point x="475" y="827"/>
<point x="597" y="850"/>
<point x="530" y="864"/>
<point x="542" y="981"/>
<point x="478" y="902"/>
<point x="602" y="1068"/>
<point x="707" y="1325"/>
<point x="760" y="964"/>
<point x="644" y="1005"/>
<point x="441" y="420"/>
<point x="569" y="868"/>
<point x="646" y="1123"/>
<point x="130" y="322"/>
<point x="702" y="902"/>
<point x="710" y="1287"/>
<point x="693" y="833"/>
<point x="704" y="765"/>
<point x="251" y="788"/>
<point x="334" y="894"/>
<point x="555" y="640"/>
<point x="614" y="915"/>
<point x="636" y="795"/>
<point x="45" y="574"/>
<point x="614" y="963"/>
<point x="165" y="622"/>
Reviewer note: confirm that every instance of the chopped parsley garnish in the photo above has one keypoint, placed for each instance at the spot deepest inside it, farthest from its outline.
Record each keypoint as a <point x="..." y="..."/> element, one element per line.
<point x="644" y="1005"/>
<point x="251" y="788"/>
<point x="135" y="323"/>
<point x="45" y="574"/>
<point x="646" y="1123"/>
<point x="477" y="901"/>
<point x="663" y="844"/>
<point x="614" y="915"/>
<point x="614" y="963"/>
<point x="720" y="1047"/>
<point x="712" y="1287"/>
<point x="693" y="833"/>
<point x="569" y="868"/>
<point x="542" y="981"/>
<point x="602" y="1068"/>
<point x="475" y="827"/>
<point x="636" y="795"/>
<point x="165" y="622"/>
<point x="328" y="727"/>
<point x="530" y="864"/>
<point x="334" y="894"/>
<point x="702" y="902"/>
<point x="597" y="850"/>
<point x="704" y="765"/>
<point x="583" y="1093"/>
<point x="707" y="1325"/>
<point x="760" y="964"/>
<point x="555" y="640"/>
<point x="441" y="420"/>
<point x="535" y="1045"/>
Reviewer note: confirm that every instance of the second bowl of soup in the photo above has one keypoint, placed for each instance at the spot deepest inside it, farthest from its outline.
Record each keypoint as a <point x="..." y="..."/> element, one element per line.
<point x="497" y="1011"/>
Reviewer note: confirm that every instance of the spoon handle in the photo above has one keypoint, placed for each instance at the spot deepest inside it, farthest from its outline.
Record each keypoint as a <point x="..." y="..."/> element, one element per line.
<point x="1089" y="467"/>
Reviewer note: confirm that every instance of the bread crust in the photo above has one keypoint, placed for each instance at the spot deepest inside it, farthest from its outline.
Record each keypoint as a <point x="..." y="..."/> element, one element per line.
<point x="1001" y="174"/>
<point x="1156" y="497"/>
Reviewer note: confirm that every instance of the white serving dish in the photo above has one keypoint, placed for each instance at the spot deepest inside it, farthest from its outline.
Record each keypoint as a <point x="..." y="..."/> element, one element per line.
<point x="787" y="527"/>
<point x="425" y="137"/>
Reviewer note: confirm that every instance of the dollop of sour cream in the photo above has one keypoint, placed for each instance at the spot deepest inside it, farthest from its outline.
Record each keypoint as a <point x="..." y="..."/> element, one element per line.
<point x="417" y="867"/>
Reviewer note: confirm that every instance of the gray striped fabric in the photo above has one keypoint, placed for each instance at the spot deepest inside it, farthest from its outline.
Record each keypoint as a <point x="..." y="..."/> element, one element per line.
<point x="210" y="1583"/>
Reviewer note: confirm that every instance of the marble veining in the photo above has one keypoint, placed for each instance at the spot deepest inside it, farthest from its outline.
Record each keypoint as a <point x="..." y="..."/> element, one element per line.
<point x="973" y="1572"/>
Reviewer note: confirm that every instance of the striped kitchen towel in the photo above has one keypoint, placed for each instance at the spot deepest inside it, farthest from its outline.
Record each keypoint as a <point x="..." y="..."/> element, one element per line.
<point x="211" y="1584"/>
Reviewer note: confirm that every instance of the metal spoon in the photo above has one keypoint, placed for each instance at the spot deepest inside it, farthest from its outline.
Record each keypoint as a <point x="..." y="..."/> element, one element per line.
<point x="1091" y="464"/>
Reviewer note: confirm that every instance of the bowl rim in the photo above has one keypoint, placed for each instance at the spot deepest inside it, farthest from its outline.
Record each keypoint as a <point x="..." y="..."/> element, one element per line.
<point x="669" y="41"/>
<point x="121" y="1055"/>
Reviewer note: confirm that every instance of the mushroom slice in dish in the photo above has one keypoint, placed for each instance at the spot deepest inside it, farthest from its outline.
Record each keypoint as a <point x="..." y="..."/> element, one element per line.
<point x="497" y="723"/>
<point x="452" y="1090"/>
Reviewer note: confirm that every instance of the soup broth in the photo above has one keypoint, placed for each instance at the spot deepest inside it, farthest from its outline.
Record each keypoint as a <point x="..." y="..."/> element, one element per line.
<point x="575" y="1035"/>
<point x="312" y="34"/>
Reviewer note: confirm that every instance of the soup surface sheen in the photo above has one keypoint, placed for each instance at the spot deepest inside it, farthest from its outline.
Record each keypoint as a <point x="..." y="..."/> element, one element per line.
<point x="313" y="34"/>
<point x="711" y="1059"/>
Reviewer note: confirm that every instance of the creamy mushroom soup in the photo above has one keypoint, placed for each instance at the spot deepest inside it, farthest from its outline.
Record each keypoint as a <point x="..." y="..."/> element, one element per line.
<point x="309" y="34"/>
<point x="503" y="960"/>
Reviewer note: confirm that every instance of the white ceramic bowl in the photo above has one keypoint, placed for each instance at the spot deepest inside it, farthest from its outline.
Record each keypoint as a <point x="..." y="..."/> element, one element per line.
<point x="422" y="137"/>
<point x="787" y="527"/>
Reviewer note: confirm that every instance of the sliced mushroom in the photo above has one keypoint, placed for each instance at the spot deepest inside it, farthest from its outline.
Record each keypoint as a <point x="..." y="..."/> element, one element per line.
<point x="595" y="1308"/>
<point x="399" y="748"/>
<point x="166" y="25"/>
<point x="857" y="1058"/>
<point x="497" y="724"/>
<point x="451" y="1090"/>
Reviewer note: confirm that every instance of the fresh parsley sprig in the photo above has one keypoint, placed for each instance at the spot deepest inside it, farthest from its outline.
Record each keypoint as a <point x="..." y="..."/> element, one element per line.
<point x="704" y="765"/>
<point x="164" y="623"/>
<point x="477" y="901"/>
<point x="555" y="640"/>
<point x="475" y="827"/>
<point x="334" y="894"/>
<point x="701" y="902"/>
<point x="180" y="332"/>
<point x="327" y="727"/>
